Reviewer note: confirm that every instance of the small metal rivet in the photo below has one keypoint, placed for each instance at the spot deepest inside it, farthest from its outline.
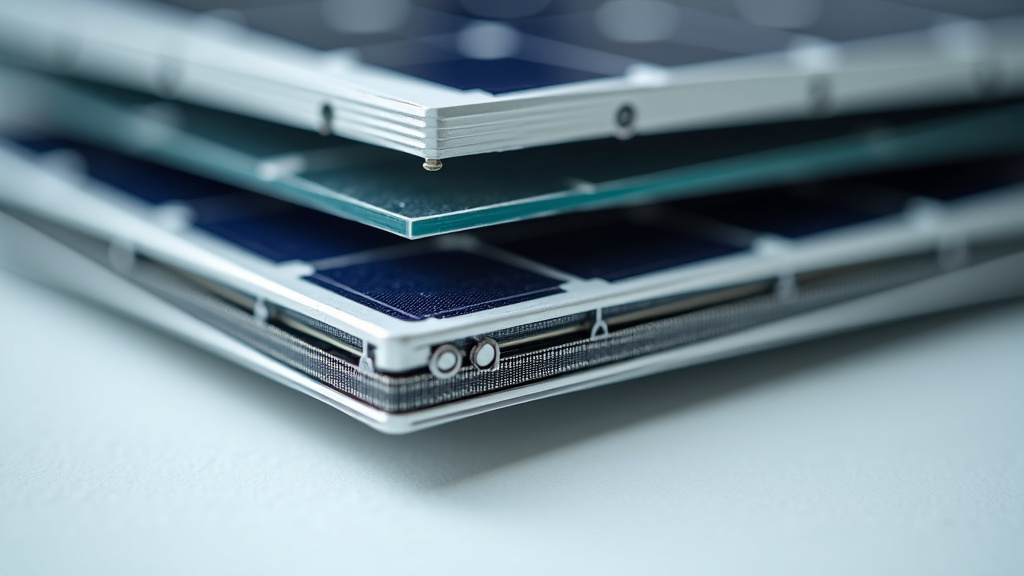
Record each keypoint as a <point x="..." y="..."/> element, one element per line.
<point x="326" y="120"/>
<point x="486" y="354"/>
<point x="432" y="164"/>
<point x="261" y="310"/>
<point x="446" y="361"/>
<point x="625" y="118"/>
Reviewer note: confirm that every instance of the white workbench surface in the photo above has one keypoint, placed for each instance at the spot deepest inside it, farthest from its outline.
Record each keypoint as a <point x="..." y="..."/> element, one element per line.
<point x="898" y="450"/>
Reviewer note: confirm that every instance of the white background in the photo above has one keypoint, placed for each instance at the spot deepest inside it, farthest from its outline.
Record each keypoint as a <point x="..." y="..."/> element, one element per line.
<point x="897" y="450"/>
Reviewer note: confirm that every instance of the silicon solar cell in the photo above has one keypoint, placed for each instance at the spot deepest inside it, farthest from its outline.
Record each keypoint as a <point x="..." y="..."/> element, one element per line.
<point x="435" y="285"/>
<point x="698" y="37"/>
<point x="616" y="250"/>
<point x="777" y="212"/>
<point x="146" y="181"/>
<point x="857" y="19"/>
<point x="494" y="76"/>
<point x="299" y="234"/>
<point x="42" y="144"/>
<point x="151" y="182"/>
<point x="954" y="181"/>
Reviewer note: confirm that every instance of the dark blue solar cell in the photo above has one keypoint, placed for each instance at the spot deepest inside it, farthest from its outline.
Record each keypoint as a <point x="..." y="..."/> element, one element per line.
<point x="41" y="145"/>
<point x="617" y="251"/>
<point x="953" y="181"/>
<point x="776" y="212"/>
<point x="435" y="285"/>
<point x="300" y="234"/>
<point x="333" y="25"/>
<point x="856" y="19"/>
<point x="697" y="37"/>
<point x="144" y="180"/>
<point x="149" y="182"/>
<point x="494" y="76"/>
<point x="579" y="37"/>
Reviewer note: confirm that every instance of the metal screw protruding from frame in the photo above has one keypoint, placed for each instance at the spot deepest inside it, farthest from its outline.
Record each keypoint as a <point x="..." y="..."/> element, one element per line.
<point x="625" y="122"/>
<point x="486" y="354"/>
<point x="325" y="128"/>
<point x="446" y="361"/>
<point x="432" y="164"/>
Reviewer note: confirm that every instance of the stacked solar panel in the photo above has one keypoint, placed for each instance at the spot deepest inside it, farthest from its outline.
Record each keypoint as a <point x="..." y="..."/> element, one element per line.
<point x="409" y="298"/>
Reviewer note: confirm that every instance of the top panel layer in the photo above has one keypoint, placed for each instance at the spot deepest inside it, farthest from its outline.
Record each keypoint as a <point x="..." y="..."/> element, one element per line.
<point x="446" y="78"/>
<point x="379" y="188"/>
<point x="501" y="47"/>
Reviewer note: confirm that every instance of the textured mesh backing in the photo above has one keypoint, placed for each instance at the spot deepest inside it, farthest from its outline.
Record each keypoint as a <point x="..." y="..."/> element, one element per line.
<point x="402" y="393"/>
<point x="525" y="364"/>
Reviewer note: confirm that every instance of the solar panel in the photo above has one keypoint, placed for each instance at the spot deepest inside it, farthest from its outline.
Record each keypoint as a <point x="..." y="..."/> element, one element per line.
<point x="436" y="327"/>
<point x="378" y="187"/>
<point x="474" y="46"/>
<point x="440" y="80"/>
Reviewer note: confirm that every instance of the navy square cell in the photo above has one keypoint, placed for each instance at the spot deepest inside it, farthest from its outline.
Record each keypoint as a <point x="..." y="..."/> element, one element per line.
<point x="299" y="234"/>
<point x="616" y="251"/>
<point x="43" y="144"/>
<point x="953" y="181"/>
<point x="495" y="76"/>
<point x="776" y="212"/>
<point x="149" y="182"/>
<point x="435" y="285"/>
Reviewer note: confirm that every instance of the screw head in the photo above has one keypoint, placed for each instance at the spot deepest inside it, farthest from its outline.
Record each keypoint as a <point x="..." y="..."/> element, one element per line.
<point x="446" y="361"/>
<point x="485" y="355"/>
<point x="326" y="120"/>
<point x="625" y="118"/>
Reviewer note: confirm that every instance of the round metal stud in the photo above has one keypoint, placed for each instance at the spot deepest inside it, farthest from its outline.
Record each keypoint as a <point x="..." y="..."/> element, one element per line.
<point x="485" y="355"/>
<point x="432" y="164"/>
<point x="446" y="361"/>
<point x="261" y="310"/>
<point x="326" y="120"/>
<point x="625" y="118"/>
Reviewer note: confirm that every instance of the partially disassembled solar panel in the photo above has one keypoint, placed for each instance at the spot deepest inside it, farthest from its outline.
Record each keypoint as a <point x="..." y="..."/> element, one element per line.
<point x="406" y="334"/>
<point x="377" y="187"/>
